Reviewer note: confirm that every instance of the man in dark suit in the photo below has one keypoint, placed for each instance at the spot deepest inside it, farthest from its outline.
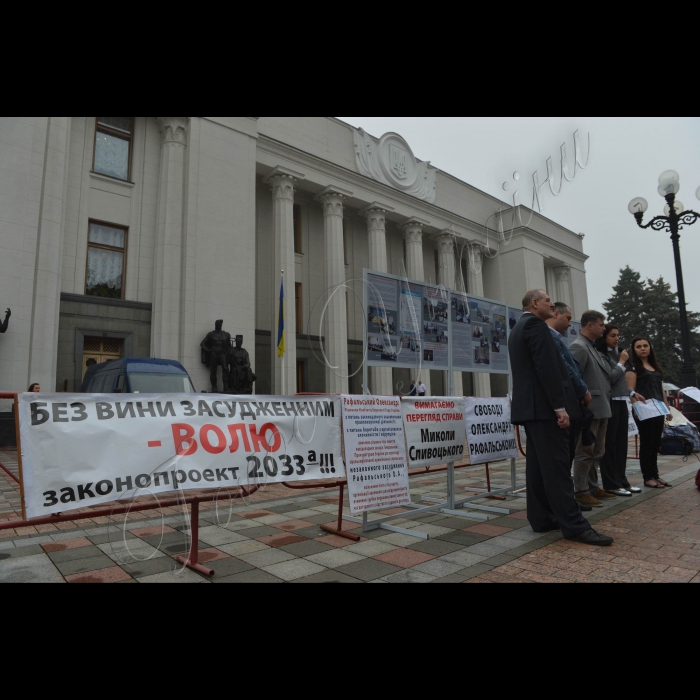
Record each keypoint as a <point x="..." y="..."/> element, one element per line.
<point x="559" y="325"/>
<point x="544" y="402"/>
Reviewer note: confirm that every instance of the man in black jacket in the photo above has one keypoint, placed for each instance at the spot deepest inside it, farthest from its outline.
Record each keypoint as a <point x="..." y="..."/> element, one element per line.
<point x="545" y="403"/>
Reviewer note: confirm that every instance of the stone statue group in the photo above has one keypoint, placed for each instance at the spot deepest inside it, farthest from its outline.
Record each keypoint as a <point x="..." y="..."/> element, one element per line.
<point x="218" y="350"/>
<point x="6" y="322"/>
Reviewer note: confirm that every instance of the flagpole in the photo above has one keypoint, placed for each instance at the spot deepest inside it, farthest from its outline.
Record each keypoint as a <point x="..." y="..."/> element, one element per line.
<point x="284" y="316"/>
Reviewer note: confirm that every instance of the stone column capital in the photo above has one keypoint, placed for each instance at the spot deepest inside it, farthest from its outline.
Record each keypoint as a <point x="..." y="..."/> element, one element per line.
<point x="174" y="129"/>
<point x="376" y="219"/>
<point x="445" y="243"/>
<point x="333" y="201"/>
<point x="563" y="273"/>
<point x="476" y="253"/>
<point x="413" y="230"/>
<point x="283" y="182"/>
<point x="283" y="187"/>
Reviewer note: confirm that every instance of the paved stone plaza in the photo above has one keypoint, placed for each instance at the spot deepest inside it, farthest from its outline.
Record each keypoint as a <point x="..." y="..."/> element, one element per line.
<point x="276" y="538"/>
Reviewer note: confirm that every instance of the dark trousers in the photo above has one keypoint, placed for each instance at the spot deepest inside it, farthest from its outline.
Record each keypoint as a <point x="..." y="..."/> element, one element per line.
<point x="650" y="434"/>
<point x="574" y="435"/>
<point x="550" y="490"/>
<point x="613" y="466"/>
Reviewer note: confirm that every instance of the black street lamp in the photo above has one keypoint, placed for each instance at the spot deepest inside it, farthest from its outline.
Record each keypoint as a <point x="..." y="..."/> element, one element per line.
<point x="675" y="220"/>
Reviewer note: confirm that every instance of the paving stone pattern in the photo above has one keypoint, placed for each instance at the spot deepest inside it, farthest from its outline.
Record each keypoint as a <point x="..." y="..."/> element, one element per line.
<point x="276" y="537"/>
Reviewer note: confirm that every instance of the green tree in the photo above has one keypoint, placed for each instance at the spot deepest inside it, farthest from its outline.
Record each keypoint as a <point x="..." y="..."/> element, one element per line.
<point x="650" y="309"/>
<point x="664" y="327"/>
<point x="626" y="308"/>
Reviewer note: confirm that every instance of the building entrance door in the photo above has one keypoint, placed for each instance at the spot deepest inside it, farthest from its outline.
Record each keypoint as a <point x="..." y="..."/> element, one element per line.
<point x="99" y="350"/>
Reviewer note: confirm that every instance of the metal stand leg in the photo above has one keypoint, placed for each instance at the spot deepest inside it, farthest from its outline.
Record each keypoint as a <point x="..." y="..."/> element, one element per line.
<point x="339" y="531"/>
<point x="192" y="561"/>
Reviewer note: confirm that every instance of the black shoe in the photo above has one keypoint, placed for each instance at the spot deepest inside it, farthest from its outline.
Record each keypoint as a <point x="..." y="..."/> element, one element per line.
<point x="585" y="509"/>
<point x="551" y="528"/>
<point x="593" y="538"/>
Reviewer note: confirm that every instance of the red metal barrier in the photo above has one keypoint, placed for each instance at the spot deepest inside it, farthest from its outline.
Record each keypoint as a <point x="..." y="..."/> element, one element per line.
<point x="9" y="473"/>
<point x="691" y="411"/>
<point x="191" y="561"/>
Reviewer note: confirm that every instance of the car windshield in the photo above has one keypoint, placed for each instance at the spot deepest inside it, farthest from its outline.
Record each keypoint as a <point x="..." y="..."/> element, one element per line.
<point x="154" y="383"/>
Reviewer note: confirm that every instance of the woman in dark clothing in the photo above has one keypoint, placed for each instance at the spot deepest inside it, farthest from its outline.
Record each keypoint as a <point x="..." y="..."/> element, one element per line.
<point x="645" y="376"/>
<point x="613" y="466"/>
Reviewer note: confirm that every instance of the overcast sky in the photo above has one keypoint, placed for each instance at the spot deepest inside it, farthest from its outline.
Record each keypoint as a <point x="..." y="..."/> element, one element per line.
<point x="627" y="156"/>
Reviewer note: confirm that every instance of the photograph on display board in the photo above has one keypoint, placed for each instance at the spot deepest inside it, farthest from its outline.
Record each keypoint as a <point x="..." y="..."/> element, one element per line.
<point x="499" y="326"/>
<point x="481" y="356"/>
<point x="435" y="305"/>
<point x="409" y="343"/>
<point x="409" y="324"/>
<point x="462" y="353"/>
<point x="410" y="315"/>
<point x="461" y="312"/>
<point x="513" y="318"/>
<point x="499" y="334"/>
<point x="381" y="321"/>
<point x="382" y="314"/>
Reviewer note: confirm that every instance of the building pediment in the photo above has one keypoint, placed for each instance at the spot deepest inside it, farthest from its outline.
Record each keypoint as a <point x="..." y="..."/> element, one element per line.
<point x="391" y="162"/>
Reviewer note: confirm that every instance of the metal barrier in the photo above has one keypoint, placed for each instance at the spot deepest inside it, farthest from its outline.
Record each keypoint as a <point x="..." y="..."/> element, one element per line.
<point x="691" y="411"/>
<point x="9" y="473"/>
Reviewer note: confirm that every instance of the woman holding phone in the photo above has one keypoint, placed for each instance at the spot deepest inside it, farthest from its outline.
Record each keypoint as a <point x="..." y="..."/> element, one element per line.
<point x="613" y="466"/>
<point x="645" y="376"/>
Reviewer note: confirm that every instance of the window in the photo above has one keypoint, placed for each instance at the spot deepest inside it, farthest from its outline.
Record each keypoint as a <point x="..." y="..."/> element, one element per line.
<point x="298" y="248"/>
<point x="105" y="261"/>
<point x="299" y="309"/>
<point x="113" y="147"/>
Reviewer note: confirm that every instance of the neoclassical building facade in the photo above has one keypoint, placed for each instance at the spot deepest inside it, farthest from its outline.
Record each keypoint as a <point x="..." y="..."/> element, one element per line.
<point x="131" y="236"/>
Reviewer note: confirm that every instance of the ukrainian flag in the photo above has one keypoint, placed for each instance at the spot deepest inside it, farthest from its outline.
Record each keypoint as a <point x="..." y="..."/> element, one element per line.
<point x="280" y="332"/>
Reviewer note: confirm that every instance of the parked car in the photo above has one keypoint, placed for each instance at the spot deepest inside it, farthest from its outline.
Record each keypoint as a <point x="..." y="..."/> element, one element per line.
<point x="138" y="376"/>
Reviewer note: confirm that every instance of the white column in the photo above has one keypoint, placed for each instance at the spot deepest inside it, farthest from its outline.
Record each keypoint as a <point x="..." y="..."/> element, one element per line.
<point x="446" y="277"/>
<point x="380" y="378"/>
<point x="415" y="270"/>
<point x="167" y="311"/>
<point x="49" y="218"/>
<point x="335" y="321"/>
<point x="563" y="278"/>
<point x="475" y="271"/>
<point x="283" y="183"/>
<point x="413" y="232"/>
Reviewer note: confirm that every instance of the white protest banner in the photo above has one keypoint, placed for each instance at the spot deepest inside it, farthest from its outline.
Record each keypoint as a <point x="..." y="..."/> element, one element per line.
<point x="375" y="453"/>
<point x="84" y="449"/>
<point x="435" y="431"/>
<point x="490" y="434"/>
<point x="692" y="393"/>
<point x="632" y="429"/>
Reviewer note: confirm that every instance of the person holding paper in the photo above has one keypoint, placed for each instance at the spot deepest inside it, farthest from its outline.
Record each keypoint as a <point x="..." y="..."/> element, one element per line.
<point x="613" y="466"/>
<point x="645" y="377"/>
<point x="544" y="401"/>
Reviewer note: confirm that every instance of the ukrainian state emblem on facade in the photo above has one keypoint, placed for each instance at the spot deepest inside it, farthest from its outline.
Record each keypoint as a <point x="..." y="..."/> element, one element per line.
<point x="399" y="160"/>
<point x="390" y="160"/>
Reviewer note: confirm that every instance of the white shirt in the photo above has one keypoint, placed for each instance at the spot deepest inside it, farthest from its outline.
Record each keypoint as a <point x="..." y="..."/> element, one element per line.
<point x="422" y="389"/>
